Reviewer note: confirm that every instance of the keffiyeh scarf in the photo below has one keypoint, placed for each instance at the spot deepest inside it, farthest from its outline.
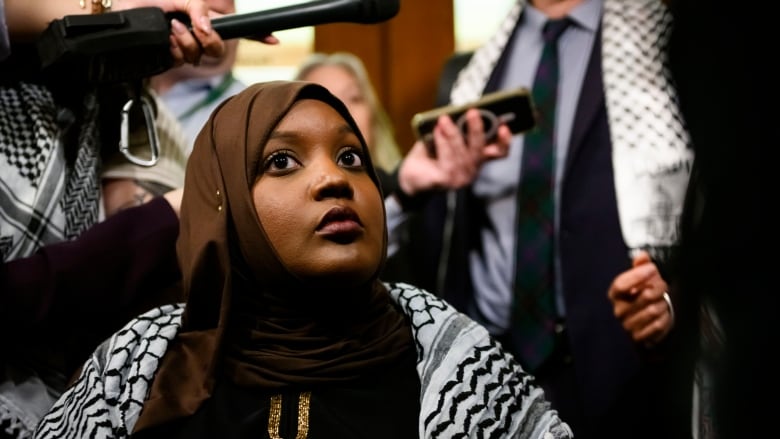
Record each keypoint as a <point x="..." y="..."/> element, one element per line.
<point x="47" y="195"/>
<point x="470" y="387"/>
<point x="651" y="150"/>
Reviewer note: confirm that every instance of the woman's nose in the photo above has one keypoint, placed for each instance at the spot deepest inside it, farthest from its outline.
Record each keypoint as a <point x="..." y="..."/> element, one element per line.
<point x="332" y="182"/>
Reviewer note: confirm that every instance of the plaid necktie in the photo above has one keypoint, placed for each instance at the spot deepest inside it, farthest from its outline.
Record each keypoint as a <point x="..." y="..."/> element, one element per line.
<point x="534" y="305"/>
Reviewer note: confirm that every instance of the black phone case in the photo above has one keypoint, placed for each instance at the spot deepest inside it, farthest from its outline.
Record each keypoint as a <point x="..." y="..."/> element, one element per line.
<point x="514" y="107"/>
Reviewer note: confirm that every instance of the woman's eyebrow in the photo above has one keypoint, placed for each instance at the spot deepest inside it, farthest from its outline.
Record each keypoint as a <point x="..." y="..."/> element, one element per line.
<point x="283" y="135"/>
<point x="346" y="129"/>
<point x="276" y="134"/>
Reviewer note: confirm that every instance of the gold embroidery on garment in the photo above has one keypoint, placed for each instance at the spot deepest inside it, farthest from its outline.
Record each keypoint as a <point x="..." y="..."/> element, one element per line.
<point x="304" y="399"/>
<point x="275" y="416"/>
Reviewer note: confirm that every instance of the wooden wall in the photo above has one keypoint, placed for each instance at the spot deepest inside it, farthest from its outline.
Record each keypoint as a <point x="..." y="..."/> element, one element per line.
<point x="403" y="56"/>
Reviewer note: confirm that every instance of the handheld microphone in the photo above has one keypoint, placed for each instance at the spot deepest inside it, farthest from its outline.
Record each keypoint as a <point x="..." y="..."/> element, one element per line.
<point x="304" y="15"/>
<point x="132" y="44"/>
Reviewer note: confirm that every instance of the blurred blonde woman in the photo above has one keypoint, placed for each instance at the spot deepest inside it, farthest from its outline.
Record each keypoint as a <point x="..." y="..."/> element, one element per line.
<point x="346" y="77"/>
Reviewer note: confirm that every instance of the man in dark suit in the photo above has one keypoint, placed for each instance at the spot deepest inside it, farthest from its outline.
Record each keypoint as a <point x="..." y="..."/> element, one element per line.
<point x="621" y="161"/>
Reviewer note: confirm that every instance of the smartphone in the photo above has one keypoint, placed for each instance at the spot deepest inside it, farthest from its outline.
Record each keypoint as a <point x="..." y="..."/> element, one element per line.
<point x="513" y="107"/>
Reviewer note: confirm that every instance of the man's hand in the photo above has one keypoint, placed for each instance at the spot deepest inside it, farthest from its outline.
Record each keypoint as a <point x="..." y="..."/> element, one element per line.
<point x="458" y="157"/>
<point x="639" y="302"/>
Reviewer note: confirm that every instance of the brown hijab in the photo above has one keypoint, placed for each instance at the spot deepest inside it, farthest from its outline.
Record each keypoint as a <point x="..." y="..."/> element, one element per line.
<point x="247" y="317"/>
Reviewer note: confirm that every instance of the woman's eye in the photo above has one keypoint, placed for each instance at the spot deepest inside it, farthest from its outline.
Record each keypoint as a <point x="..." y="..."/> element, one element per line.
<point x="351" y="158"/>
<point x="279" y="161"/>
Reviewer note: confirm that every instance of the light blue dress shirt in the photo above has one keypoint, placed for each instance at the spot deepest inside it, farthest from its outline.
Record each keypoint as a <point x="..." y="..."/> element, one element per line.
<point x="497" y="184"/>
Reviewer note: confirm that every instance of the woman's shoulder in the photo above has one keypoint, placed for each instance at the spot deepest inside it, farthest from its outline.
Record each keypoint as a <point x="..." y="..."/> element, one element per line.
<point x="428" y="311"/>
<point x="437" y="327"/>
<point x="405" y="294"/>
<point x="467" y="378"/>
<point x="145" y="334"/>
<point x="114" y="382"/>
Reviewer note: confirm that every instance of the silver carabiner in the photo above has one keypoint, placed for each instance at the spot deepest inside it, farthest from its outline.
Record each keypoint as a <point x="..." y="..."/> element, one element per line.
<point x="151" y="133"/>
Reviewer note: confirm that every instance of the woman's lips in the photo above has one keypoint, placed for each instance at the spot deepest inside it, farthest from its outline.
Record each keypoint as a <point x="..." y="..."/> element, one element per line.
<point x="340" y="224"/>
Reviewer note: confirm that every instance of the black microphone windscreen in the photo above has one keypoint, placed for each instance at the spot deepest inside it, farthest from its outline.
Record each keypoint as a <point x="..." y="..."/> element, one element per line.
<point x="303" y="15"/>
<point x="377" y="11"/>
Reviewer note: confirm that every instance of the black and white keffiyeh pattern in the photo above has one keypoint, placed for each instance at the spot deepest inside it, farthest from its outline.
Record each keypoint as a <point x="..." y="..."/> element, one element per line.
<point x="651" y="151"/>
<point x="46" y="195"/>
<point x="107" y="398"/>
<point x="470" y="386"/>
<point x="49" y="193"/>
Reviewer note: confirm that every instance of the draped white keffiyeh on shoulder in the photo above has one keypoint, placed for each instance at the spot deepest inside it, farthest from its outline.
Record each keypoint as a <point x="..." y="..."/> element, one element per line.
<point x="49" y="186"/>
<point x="651" y="151"/>
<point x="470" y="387"/>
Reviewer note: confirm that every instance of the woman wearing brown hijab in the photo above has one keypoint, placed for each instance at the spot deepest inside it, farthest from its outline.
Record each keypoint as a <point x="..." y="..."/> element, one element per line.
<point x="287" y="331"/>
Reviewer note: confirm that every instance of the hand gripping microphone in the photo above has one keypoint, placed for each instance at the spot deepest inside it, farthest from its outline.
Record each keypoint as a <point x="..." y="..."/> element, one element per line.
<point x="133" y="44"/>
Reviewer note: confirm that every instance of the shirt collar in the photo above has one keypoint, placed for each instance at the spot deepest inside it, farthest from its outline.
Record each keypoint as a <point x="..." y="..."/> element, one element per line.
<point x="586" y="15"/>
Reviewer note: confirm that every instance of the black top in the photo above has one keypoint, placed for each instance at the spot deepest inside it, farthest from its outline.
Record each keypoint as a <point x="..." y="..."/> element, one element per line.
<point x="382" y="404"/>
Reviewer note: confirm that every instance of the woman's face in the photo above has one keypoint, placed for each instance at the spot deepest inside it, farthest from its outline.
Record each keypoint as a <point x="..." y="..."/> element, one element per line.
<point x="344" y="86"/>
<point x="315" y="199"/>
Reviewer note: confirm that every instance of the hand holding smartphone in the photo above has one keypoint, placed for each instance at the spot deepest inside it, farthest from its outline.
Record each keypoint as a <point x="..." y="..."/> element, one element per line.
<point x="513" y="107"/>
